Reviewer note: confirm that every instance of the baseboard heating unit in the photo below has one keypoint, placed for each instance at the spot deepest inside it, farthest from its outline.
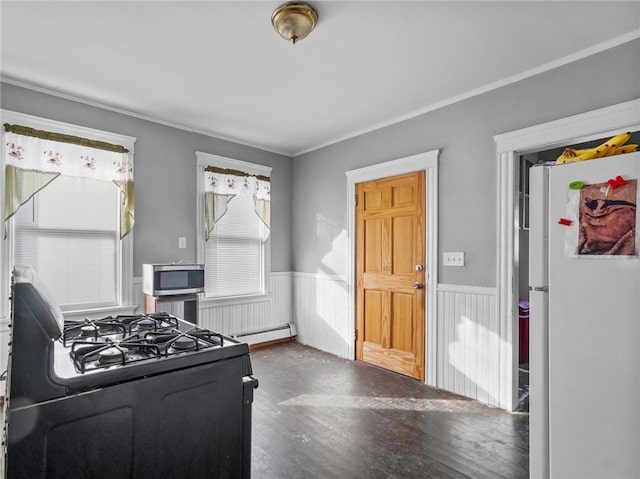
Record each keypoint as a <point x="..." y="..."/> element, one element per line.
<point x="265" y="335"/>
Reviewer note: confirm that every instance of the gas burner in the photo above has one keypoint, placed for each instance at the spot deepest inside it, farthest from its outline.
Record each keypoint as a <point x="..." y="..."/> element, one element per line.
<point x="181" y="342"/>
<point x="114" y="354"/>
<point x="89" y="330"/>
<point x="184" y="343"/>
<point x="145" y="323"/>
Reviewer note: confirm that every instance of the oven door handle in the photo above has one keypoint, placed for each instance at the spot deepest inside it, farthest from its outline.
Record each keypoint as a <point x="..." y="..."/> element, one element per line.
<point x="249" y="383"/>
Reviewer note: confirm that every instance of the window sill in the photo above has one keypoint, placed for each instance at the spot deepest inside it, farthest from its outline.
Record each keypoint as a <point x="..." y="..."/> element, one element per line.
<point x="236" y="300"/>
<point x="84" y="313"/>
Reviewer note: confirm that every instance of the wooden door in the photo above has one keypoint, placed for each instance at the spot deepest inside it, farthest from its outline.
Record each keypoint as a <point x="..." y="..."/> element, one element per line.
<point x="390" y="273"/>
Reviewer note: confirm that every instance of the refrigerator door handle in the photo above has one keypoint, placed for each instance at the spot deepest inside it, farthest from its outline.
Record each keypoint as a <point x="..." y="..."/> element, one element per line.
<point x="538" y="226"/>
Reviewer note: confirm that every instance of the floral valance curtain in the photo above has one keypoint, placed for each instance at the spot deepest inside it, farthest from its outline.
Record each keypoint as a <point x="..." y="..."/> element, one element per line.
<point x="34" y="158"/>
<point x="221" y="185"/>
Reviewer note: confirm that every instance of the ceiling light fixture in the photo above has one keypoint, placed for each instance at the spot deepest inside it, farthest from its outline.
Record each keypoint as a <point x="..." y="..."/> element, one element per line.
<point x="294" y="21"/>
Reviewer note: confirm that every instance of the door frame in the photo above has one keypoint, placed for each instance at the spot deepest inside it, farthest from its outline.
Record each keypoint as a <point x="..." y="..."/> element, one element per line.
<point x="427" y="162"/>
<point x="579" y="128"/>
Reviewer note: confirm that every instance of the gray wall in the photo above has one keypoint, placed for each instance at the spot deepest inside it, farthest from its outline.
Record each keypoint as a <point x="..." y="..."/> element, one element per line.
<point x="165" y="177"/>
<point x="468" y="166"/>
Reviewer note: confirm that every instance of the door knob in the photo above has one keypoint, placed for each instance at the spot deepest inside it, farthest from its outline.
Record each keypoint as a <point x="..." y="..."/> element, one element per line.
<point x="417" y="285"/>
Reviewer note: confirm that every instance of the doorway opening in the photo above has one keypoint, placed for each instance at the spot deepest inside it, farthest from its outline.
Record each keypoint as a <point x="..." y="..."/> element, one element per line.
<point x="548" y="140"/>
<point x="526" y="161"/>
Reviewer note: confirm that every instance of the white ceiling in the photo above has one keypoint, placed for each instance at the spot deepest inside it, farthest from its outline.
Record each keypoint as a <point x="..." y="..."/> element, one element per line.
<point x="219" y="68"/>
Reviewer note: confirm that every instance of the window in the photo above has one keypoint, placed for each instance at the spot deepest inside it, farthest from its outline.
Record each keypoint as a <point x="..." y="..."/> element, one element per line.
<point x="68" y="233"/>
<point x="234" y="242"/>
<point x="234" y="253"/>
<point x="69" y="227"/>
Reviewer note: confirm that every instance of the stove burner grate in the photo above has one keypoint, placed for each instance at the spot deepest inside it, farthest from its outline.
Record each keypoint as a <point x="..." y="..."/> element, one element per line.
<point x="195" y="339"/>
<point x="148" y="322"/>
<point x="88" y="355"/>
<point x="91" y="328"/>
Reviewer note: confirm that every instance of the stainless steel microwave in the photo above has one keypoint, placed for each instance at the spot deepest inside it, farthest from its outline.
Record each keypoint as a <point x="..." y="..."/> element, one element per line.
<point x="172" y="279"/>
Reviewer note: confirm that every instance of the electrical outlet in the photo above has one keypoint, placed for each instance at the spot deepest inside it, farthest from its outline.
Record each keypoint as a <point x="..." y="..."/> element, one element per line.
<point x="454" y="259"/>
<point x="182" y="242"/>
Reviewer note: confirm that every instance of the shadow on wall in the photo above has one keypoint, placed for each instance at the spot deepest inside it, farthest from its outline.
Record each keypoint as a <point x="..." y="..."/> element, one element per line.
<point x="333" y="242"/>
<point x="469" y="356"/>
<point x="321" y="299"/>
<point x="321" y="313"/>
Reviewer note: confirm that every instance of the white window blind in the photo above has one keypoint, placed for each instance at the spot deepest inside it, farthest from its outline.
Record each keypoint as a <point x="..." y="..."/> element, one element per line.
<point x="68" y="232"/>
<point x="235" y="252"/>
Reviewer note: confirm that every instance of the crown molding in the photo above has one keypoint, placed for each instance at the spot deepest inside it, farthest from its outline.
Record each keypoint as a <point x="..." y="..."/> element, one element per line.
<point x="105" y="106"/>
<point x="587" y="52"/>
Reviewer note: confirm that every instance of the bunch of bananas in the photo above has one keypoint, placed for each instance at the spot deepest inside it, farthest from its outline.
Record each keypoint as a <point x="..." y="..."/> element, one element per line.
<point x="613" y="146"/>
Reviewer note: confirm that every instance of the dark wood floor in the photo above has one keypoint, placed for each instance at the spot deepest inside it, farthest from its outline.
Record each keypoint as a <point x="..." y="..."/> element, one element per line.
<point x="318" y="416"/>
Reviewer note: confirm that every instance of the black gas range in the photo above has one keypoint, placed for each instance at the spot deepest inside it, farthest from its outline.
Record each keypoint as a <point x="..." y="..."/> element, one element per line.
<point x="141" y="396"/>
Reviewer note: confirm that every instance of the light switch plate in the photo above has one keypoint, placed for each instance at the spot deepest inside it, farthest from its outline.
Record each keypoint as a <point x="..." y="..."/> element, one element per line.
<point x="182" y="242"/>
<point x="454" y="259"/>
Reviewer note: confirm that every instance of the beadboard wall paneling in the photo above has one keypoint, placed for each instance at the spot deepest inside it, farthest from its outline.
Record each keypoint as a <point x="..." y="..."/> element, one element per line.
<point x="257" y="314"/>
<point x="237" y="318"/>
<point x="320" y="309"/>
<point x="282" y="299"/>
<point x="468" y="342"/>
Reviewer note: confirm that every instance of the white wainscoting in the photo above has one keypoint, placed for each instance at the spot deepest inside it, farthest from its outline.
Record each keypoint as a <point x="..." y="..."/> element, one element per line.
<point x="256" y="314"/>
<point x="321" y="311"/>
<point x="468" y="342"/>
<point x="468" y="338"/>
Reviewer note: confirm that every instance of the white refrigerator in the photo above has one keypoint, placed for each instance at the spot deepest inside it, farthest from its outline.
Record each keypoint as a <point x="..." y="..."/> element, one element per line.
<point x="584" y="277"/>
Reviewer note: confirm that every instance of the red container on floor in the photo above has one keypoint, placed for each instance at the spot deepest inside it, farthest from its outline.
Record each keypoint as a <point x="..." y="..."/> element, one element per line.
<point x="524" y="340"/>
<point x="523" y="327"/>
